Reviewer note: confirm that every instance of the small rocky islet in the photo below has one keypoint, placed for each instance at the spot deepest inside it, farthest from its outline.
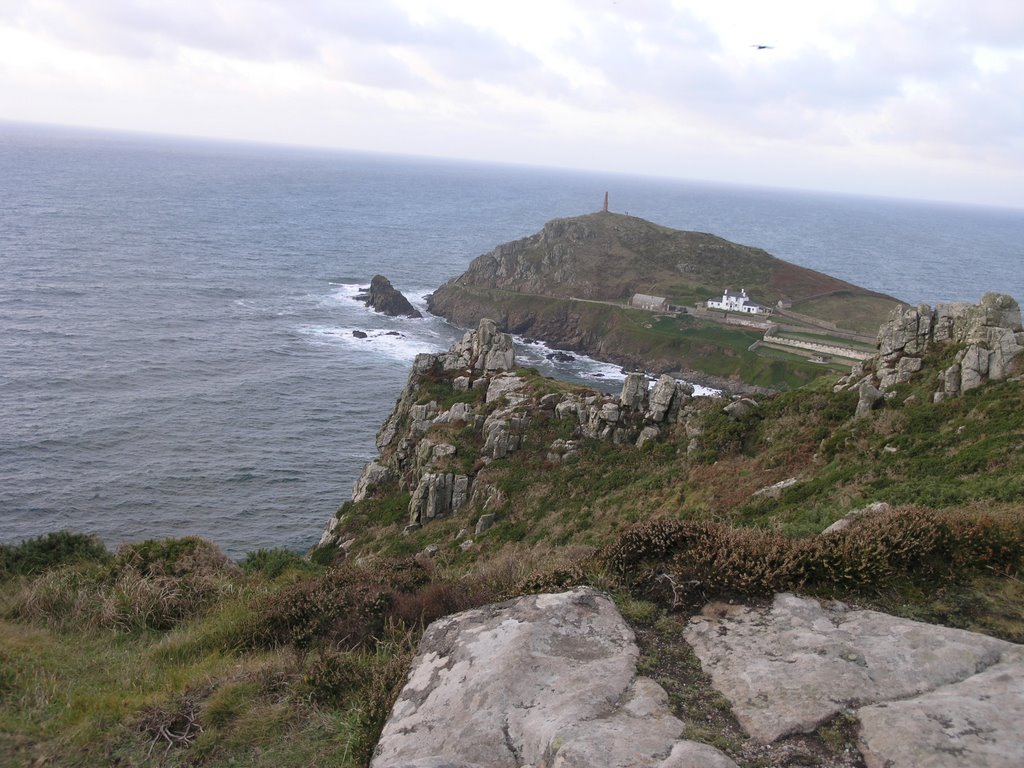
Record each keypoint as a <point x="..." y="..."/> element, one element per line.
<point x="381" y="296"/>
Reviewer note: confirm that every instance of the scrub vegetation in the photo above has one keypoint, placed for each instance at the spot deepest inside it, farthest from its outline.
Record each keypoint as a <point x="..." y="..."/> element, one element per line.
<point x="167" y="653"/>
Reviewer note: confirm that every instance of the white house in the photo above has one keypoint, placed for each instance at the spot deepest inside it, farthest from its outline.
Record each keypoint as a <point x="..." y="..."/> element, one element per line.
<point x="738" y="302"/>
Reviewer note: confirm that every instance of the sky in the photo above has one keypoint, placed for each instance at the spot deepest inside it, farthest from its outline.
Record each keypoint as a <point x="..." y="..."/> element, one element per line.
<point x="919" y="99"/>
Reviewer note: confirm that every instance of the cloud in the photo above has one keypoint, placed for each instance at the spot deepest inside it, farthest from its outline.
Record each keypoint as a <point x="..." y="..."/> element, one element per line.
<point x="544" y="79"/>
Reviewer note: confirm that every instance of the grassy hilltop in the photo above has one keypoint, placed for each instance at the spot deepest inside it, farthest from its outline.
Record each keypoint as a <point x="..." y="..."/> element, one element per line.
<point x="570" y="284"/>
<point x="166" y="653"/>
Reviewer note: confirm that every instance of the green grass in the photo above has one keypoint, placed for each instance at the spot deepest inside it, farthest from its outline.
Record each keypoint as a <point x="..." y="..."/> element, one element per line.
<point x="640" y="339"/>
<point x="284" y="662"/>
<point x="75" y="694"/>
<point x="861" y="314"/>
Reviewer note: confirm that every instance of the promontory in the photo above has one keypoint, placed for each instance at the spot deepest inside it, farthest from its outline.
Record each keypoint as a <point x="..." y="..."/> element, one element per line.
<point x="642" y="295"/>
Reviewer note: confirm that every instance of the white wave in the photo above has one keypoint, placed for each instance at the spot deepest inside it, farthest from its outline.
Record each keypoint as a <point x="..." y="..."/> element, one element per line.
<point x="345" y="295"/>
<point x="392" y="344"/>
<point x="418" y="297"/>
<point x="581" y="367"/>
<point x="401" y="339"/>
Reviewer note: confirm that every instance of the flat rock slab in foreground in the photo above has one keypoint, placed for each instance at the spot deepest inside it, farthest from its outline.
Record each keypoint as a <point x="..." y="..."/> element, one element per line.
<point x="940" y="696"/>
<point x="544" y="680"/>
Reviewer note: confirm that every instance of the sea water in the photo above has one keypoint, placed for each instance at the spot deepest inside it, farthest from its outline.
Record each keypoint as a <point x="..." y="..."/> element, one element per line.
<point x="176" y="317"/>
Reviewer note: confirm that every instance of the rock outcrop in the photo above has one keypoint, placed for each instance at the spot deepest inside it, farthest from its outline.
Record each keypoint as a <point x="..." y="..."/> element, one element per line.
<point x="988" y="334"/>
<point x="924" y="694"/>
<point x="498" y="411"/>
<point x="544" y="680"/>
<point x="383" y="297"/>
<point x="551" y="680"/>
<point x="421" y="466"/>
<point x="637" y="416"/>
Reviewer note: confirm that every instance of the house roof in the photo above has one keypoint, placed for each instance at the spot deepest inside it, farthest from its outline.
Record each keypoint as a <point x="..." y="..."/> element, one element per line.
<point x="646" y="299"/>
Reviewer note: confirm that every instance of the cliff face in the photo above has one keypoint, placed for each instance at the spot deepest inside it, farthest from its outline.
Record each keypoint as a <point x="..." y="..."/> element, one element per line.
<point x="466" y="408"/>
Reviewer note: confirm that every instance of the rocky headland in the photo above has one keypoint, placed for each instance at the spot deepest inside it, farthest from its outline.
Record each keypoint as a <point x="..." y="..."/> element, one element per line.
<point x="554" y="679"/>
<point x="571" y="284"/>
<point x="497" y="405"/>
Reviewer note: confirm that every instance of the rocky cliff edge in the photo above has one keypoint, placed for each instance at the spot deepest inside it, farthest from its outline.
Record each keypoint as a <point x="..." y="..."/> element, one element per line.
<point x="474" y="386"/>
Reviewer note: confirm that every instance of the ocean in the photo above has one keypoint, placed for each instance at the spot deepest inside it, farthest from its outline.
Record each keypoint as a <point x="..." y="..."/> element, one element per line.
<point x="176" y="316"/>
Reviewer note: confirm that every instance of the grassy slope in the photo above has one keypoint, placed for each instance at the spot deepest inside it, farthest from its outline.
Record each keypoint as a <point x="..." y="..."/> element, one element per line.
<point x="269" y="661"/>
<point x="858" y="313"/>
<point x="611" y="256"/>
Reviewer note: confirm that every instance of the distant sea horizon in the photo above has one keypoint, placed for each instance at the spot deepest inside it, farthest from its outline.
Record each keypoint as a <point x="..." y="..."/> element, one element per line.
<point x="127" y="135"/>
<point x="177" y="356"/>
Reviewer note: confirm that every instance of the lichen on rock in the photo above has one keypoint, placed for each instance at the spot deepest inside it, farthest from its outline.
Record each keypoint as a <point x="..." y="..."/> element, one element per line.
<point x="539" y="680"/>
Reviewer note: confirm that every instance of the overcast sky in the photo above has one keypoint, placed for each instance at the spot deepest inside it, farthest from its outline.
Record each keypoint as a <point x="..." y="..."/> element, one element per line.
<point x="921" y="99"/>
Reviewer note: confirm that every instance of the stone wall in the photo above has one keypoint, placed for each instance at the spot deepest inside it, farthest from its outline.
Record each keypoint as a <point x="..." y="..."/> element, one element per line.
<point x="825" y="349"/>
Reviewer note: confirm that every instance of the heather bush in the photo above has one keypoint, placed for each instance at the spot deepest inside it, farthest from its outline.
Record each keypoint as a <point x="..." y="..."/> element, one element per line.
<point x="696" y="559"/>
<point x="432" y="601"/>
<point x="50" y="551"/>
<point x="190" y="555"/>
<point x="150" y="586"/>
<point x="346" y="606"/>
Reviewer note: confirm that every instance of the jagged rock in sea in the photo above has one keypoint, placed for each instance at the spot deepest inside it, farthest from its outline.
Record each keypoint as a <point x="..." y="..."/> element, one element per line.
<point x="540" y="680"/>
<point x="924" y="694"/>
<point x="383" y="297"/>
<point x="989" y="334"/>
